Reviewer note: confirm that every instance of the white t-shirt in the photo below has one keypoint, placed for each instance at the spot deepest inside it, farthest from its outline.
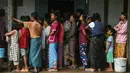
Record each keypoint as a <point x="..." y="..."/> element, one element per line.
<point x="91" y="25"/>
<point x="47" y="31"/>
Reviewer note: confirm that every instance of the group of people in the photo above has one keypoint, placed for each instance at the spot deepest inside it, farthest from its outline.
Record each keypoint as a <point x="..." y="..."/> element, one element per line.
<point x="56" y="43"/>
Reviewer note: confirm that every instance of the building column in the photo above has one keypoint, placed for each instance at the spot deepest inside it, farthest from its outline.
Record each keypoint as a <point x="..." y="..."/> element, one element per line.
<point x="128" y="43"/>
<point x="9" y="11"/>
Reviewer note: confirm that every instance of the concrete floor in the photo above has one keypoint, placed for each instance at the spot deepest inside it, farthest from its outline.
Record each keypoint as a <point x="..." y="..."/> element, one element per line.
<point x="67" y="71"/>
<point x="5" y="70"/>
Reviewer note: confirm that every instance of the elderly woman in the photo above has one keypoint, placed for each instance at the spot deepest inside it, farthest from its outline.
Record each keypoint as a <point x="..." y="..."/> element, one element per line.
<point x="121" y="37"/>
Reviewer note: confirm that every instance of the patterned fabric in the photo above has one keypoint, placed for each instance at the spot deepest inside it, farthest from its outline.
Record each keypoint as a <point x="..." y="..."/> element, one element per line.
<point x="53" y="55"/>
<point x="14" y="48"/>
<point x="97" y="52"/>
<point x="120" y="50"/>
<point x="70" y="51"/>
<point x="84" y="54"/>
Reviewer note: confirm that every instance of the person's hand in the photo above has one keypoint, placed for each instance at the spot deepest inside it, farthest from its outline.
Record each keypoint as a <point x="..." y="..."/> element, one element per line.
<point x="106" y="51"/>
<point x="7" y="39"/>
<point x="47" y="41"/>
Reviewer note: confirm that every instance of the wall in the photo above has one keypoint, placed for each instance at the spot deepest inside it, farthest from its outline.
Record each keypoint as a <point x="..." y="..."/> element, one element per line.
<point x="79" y="4"/>
<point x="97" y="6"/>
<point x="115" y="9"/>
<point x="27" y="8"/>
<point x="41" y="7"/>
<point x="3" y="3"/>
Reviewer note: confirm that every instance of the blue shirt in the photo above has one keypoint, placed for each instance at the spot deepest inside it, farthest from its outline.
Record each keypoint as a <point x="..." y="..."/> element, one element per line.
<point x="111" y="40"/>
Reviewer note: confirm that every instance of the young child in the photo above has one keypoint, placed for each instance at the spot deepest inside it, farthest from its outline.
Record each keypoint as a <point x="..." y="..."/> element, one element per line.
<point x="14" y="48"/>
<point x="24" y="43"/>
<point x="109" y="48"/>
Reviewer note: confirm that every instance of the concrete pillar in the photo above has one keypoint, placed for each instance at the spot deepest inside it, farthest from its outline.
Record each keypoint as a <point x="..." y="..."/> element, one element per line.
<point x="128" y="43"/>
<point x="9" y="13"/>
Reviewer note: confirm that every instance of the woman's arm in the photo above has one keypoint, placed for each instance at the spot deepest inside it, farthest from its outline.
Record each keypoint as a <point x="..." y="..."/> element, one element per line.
<point x="108" y="46"/>
<point x="123" y="29"/>
<point x="84" y="33"/>
<point x="19" y="21"/>
<point x="26" y="24"/>
<point x="117" y="27"/>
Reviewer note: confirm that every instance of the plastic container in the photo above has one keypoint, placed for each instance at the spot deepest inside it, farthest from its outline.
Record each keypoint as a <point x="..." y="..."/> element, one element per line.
<point x="120" y="64"/>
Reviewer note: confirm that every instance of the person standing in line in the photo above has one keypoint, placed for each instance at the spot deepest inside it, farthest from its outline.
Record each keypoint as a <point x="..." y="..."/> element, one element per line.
<point x="35" y="27"/>
<point x="96" y="48"/>
<point x="83" y="41"/>
<point x="53" y="42"/>
<point x="14" y="48"/>
<point x="24" y="39"/>
<point x="61" y="43"/>
<point x="109" y="48"/>
<point x="121" y="36"/>
<point x="46" y="32"/>
<point x="3" y="43"/>
<point x="72" y="41"/>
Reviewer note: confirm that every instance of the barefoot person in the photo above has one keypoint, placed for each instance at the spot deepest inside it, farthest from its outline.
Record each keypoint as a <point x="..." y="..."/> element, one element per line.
<point x="109" y="48"/>
<point x="14" y="48"/>
<point x="121" y="36"/>
<point x="24" y="40"/>
<point x="53" y="42"/>
<point x="35" y="29"/>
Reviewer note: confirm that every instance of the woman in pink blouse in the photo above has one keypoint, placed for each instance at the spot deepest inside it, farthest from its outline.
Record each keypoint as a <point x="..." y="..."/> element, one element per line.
<point x="121" y="37"/>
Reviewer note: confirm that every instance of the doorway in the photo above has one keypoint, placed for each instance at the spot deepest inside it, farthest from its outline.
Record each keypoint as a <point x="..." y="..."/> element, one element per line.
<point x="64" y="6"/>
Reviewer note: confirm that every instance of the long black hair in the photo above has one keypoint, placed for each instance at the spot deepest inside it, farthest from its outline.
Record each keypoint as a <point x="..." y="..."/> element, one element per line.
<point x="35" y="15"/>
<point x="125" y="14"/>
<point x="57" y="14"/>
<point x="2" y="12"/>
<point x="96" y="16"/>
<point x="84" y="17"/>
<point x="40" y="20"/>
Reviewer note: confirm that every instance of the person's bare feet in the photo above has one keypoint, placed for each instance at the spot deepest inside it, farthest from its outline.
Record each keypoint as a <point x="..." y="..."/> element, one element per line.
<point x="24" y="70"/>
<point x="109" y="70"/>
<point x="52" y="70"/>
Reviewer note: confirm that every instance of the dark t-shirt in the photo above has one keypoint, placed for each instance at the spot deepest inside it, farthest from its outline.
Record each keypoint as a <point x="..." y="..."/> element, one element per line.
<point x="82" y="37"/>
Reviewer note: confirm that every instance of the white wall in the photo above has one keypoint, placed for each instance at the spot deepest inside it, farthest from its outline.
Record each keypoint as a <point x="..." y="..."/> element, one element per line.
<point x="27" y="8"/>
<point x="115" y="9"/>
<point x="97" y="6"/>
